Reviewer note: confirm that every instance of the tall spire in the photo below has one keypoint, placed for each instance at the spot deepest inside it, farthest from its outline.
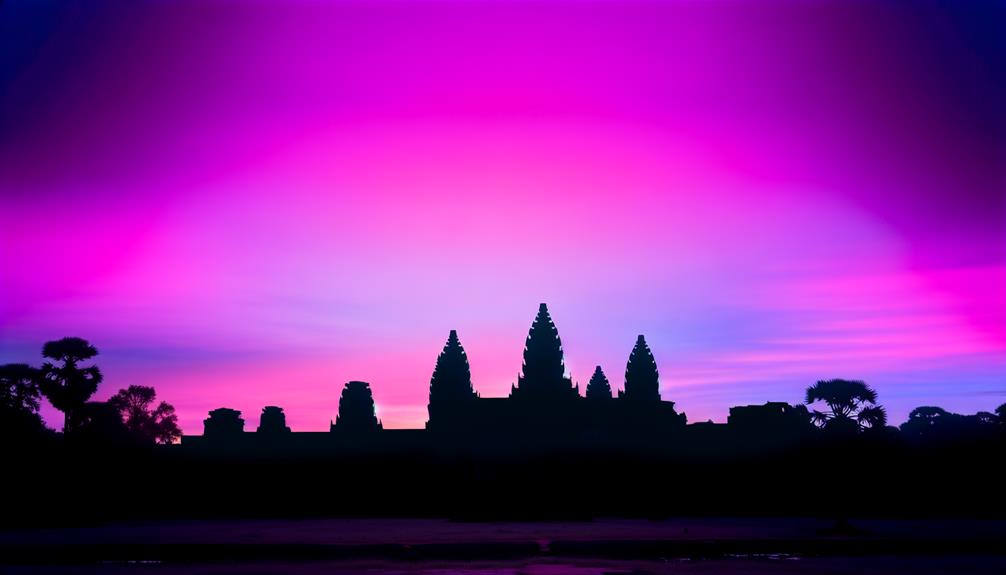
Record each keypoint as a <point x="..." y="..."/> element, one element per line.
<point x="451" y="385"/>
<point x="598" y="387"/>
<point x="641" y="377"/>
<point x="543" y="372"/>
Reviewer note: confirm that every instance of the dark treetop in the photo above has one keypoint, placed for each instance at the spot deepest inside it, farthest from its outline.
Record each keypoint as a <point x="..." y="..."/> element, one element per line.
<point x="153" y="424"/>
<point x="852" y="406"/>
<point x="19" y="400"/>
<point x="63" y="382"/>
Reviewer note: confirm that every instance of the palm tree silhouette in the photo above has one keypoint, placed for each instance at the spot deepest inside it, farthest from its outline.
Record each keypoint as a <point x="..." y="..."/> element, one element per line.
<point x="65" y="384"/>
<point x="852" y="405"/>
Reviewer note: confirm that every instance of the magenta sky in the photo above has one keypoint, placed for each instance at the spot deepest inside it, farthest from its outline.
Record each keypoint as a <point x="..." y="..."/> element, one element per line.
<point x="250" y="203"/>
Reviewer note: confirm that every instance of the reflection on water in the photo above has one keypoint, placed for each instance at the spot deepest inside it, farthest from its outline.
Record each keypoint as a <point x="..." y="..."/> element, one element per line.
<point x="749" y="565"/>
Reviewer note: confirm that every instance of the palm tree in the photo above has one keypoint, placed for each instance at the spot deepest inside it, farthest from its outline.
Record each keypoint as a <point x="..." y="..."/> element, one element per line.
<point x="64" y="383"/>
<point x="852" y="405"/>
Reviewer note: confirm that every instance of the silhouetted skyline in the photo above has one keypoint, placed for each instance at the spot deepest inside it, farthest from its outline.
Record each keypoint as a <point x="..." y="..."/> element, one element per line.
<point x="756" y="462"/>
<point x="544" y="409"/>
<point x="543" y="390"/>
<point x="245" y="193"/>
<point x="502" y="286"/>
<point x="545" y="402"/>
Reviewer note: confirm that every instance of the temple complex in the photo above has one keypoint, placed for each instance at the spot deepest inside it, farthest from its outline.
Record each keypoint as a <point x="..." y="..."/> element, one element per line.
<point x="544" y="405"/>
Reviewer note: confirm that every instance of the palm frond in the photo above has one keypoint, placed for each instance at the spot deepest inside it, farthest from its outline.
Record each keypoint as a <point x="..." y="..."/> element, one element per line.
<point x="872" y="417"/>
<point x="820" y="419"/>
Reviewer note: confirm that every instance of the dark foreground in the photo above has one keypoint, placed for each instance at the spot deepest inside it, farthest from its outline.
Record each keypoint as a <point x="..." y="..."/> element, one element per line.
<point x="732" y="566"/>
<point x="417" y="546"/>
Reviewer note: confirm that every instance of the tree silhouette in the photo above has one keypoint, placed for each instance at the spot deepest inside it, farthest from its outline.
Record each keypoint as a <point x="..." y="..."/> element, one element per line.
<point x="19" y="388"/>
<point x="63" y="382"/>
<point x="100" y="423"/>
<point x="598" y="387"/>
<point x="273" y="421"/>
<point x="641" y="376"/>
<point x="19" y="400"/>
<point x="873" y="417"/>
<point x="543" y="372"/>
<point x="938" y="424"/>
<point x="852" y="406"/>
<point x="451" y="391"/>
<point x="923" y="420"/>
<point x="985" y="420"/>
<point x="357" y="412"/>
<point x="157" y="425"/>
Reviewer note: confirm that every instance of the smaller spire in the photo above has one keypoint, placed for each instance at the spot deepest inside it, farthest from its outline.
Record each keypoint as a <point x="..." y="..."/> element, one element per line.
<point x="451" y="388"/>
<point x="357" y="411"/>
<point x="641" y="376"/>
<point x="598" y="386"/>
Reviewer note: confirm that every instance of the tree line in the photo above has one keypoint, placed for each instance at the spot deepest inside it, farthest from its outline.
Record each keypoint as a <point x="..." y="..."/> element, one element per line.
<point x="67" y="381"/>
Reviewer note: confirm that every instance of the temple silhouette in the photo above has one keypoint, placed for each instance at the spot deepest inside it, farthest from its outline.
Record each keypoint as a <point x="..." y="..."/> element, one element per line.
<point x="547" y="450"/>
<point x="544" y="408"/>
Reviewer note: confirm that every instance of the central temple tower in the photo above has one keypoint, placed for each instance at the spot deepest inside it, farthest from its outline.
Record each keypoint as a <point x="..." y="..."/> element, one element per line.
<point x="543" y="376"/>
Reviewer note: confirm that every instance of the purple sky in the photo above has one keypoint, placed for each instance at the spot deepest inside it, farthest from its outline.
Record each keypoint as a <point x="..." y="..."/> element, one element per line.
<point x="250" y="203"/>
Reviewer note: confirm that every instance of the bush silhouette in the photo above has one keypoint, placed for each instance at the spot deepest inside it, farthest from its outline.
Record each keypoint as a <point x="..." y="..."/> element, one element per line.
<point x="357" y="412"/>
<point x="641" y="376"/>
<point x="852" y="406"/>
<point x="923" y="421"/>
<point x="63" y="382"/>
<point x="986" y="420"/>
<point x="598" y="386"/>
<point x="147" y="424"/>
